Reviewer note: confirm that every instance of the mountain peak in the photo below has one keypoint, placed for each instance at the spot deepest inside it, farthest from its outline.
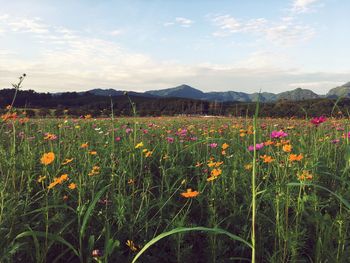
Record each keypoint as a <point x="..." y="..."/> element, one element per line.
<point x="182" y="91"/>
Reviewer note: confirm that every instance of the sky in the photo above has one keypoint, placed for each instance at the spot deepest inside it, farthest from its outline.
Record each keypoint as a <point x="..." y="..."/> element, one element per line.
<point x="139" y="45"/>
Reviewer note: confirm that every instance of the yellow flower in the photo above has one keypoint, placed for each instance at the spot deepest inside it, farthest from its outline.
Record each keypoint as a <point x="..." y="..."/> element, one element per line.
<point x="47" y="158"/>
<point x="41" y="178"/>
<point x="248" y="166"/>
<point x="287" y="148"/>
<point x="139" y="145"/>
<point x="131" y="245"/>
<point x="95" y="170"/>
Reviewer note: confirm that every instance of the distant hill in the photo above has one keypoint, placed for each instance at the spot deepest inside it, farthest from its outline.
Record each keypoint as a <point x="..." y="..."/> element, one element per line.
<point x="113" y="92"/>
<point x="185" y="91"/>
<point x="182" y="91"/>
<point x="341" y="91"/>
<point x="298" y="95"/>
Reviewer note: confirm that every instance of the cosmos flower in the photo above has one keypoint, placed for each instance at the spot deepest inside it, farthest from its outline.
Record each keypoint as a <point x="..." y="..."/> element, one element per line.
<point x="287" y="148"/>
<point x="258" y="146"/>
<point x="170" y="139"/>
<point x="267" y="159"/>
<point x="213" y="145"/>
<point x="318" y="120"/>
<point x="47" y="158"/>
<point x="278" y="134"/>
<point x="295" y="157"/>
<point x="225" y="146"/>
<point x="72" y="186"/>
<point x="139" y="145"/>
<point x="189" y="193"/>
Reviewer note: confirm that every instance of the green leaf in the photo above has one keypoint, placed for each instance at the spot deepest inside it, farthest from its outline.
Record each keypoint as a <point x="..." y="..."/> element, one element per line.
<point x="90" y="209"/>
<point x="188" y="229"/>
<point x="49" y="236"/>
<point x="341" y="199"/>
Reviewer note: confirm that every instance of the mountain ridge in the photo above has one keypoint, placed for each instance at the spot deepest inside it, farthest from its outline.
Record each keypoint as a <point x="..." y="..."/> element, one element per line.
<point x="186" y="91"/>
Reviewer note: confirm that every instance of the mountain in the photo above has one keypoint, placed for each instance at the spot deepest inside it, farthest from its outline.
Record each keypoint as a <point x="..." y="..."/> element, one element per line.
<point x="341" y="91"/>
<point x="298" y="95"/>
<point x="188" y="92"/>
<point x="185" y="91"/>
<point x="182" y="91"/>
<point x="113" y="93"/>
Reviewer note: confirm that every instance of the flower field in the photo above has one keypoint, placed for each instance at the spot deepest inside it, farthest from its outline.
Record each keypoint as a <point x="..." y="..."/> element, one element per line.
<point x="98" y="190"/>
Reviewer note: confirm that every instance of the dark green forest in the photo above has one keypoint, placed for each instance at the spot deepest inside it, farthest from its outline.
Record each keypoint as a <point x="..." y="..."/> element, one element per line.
<point x="77" y="104"/>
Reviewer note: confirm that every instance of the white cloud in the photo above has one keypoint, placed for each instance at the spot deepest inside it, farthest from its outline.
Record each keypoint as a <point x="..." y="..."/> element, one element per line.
<point x="116" y="32"/>
<point x="70" y="61"/>
<point x="184" y="22"/>
<point x="302" y="6"/>
<point x="285" y="32"/>
<point x="180" y="21"/>
<point x="24" y="25"/>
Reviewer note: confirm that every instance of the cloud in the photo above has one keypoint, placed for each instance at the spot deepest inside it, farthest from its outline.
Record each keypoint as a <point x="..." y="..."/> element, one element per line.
<point x="116" y="32"/>
<point x="180" y="21"/>
<point x="23" y="25"/>
<point x="317" y="86"/>
<point x="68" y="60"/>
<point x="286" y="31"/>
<point x="302" y="6"/>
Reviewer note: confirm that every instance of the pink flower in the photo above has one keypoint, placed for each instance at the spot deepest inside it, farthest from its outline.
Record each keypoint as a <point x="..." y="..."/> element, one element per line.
<point x="117" y="139"/>
<point x="128" y="130"/>
<point x="170" y="139"/>
<point x="258" y="146"/>
<point x="318" y="120"/>
<point x="335" y="141"/>
<point x="213" y="145"/>
<point x="278" y="134"/>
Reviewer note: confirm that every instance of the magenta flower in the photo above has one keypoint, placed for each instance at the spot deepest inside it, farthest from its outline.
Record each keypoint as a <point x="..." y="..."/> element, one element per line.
<point x="170" y="139"/>
<point x="278" y="134"/>
<point x="118" y="139"/>
<point x="318" y="120"/>
<point x="335" y="141"/>
<point x="213" y="145"/>
<point x="258" y="146"/>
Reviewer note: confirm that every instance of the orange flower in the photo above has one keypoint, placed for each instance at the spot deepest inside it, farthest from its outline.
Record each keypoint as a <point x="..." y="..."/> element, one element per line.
<point x="84" y="145"/>
<point x="72" y="186"/>
<point x="198" y="164"/>
<point x="66" y="161"/>
<point x="305" y="175"/>
<point x="93" y="152"/>
<point x="287" y="148"/>
<point x="189" y="193"/>
<point x="295" y="157"/>
<point x="47" y="158"/>
<point x="269" y="142"/>
<point x="267" y="159"/>
<point x="225" y="146"/>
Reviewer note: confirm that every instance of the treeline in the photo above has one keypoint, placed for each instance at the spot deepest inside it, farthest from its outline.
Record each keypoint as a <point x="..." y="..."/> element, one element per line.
<point x="78" y="104"/>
